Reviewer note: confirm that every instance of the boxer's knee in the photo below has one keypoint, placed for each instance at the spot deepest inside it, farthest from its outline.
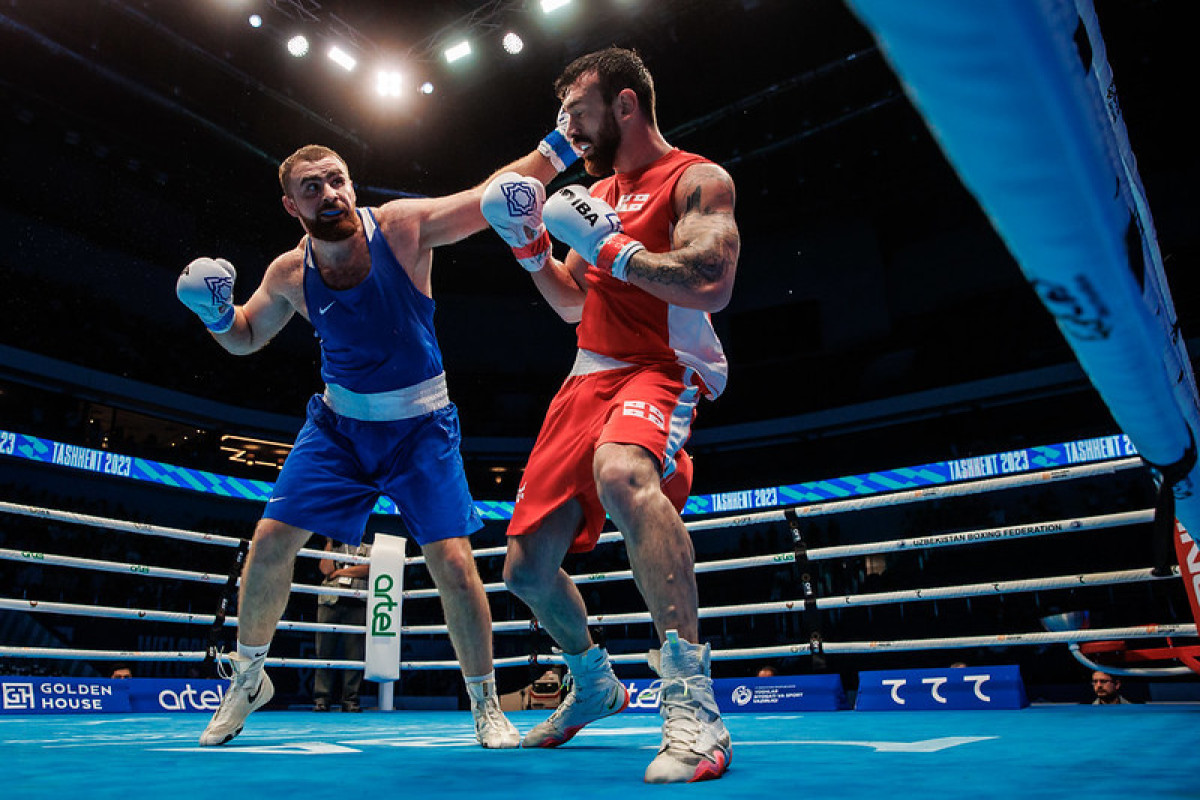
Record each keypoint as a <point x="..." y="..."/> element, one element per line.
<point x="624" y="474"/>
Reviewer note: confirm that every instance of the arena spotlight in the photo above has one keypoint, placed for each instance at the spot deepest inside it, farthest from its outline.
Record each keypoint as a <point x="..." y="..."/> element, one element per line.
<point x="426" y="88"/>
<point x="255" y="21"/>
<point x="512" y="43"/>
<point x="298" y="46"/>
<point x="389" y="83"/>
<point x="456" y="51"/>
<point x="550" y="6"/>
<point x="343" y="59"/>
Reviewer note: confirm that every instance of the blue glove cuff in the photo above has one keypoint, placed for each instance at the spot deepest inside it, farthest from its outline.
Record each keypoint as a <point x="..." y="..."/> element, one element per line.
<point x="224" y="322"/>
<point x="558" y="149"/>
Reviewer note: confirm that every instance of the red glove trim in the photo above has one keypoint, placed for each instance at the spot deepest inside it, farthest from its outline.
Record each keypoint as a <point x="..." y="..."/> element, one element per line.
<point x="535" y="248"/>
<point x="612" y="248"/>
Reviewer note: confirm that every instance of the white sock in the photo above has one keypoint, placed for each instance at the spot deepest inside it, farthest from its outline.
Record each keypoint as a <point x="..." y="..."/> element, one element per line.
<point x="489" y="678"/>
<point x="253" y="653"/>
<point x="480" y="686"/>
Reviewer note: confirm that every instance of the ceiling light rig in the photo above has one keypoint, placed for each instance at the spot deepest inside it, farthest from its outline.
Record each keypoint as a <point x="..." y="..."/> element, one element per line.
<point x="343" y="59"/>
<point x="457" y="51"/>
<point x="512" y="43"/>
<point x="389" y="83"/>
<point x="298" y="45"/>
<point x="453" y="44"/>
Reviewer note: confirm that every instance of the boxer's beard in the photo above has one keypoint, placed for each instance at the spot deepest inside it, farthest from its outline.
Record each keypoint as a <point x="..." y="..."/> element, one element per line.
<point x="331" y="230"/>
<point x="600" y="158"/>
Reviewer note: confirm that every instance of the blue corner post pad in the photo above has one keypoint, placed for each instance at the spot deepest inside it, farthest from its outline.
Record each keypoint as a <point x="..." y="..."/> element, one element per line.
<point x="951" y="688"/>
<point x="758" y="695"/>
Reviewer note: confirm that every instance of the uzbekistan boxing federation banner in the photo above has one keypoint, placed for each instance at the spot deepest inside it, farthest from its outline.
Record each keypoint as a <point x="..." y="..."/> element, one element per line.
<point x="29" y="695"/>
<point x="1013" y="462"/>
<point x="386" y="588"/>
<point x="952" y="688"/>
<point x="757" y="695"/>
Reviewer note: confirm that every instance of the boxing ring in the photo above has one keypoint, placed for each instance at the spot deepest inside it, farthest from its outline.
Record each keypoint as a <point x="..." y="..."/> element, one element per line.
<point x="1098" y="271"/>
<point x="1012" y="750"/>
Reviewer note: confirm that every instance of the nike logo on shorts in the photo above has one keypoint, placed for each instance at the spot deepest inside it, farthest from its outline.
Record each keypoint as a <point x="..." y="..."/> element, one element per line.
<point x="322" y="311"/>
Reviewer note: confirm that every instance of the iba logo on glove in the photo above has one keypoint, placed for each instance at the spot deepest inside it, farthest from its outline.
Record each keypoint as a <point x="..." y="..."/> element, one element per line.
<point x="581" y="205"/>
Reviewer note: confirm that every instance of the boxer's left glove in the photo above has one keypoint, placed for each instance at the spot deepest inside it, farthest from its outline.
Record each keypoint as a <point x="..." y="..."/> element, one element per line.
<point x="557" y="147"/>
<point x="206" y="287"/>
<point x="591" y="227"/>
<point x="512" y="205"/>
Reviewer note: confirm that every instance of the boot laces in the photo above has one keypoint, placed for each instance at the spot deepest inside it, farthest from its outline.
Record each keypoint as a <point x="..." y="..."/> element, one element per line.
<point x="681" y="709"/>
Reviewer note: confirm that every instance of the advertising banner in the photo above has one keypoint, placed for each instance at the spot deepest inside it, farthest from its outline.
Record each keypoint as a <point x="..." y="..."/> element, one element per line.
<point x="954" y="688"/>
<point x="29" y="695"/>
<point x="757" y="695"/>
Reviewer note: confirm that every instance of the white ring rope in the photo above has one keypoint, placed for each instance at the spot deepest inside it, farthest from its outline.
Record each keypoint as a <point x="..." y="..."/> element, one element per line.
<point x="939" y="540"/>
<point x="776" y="651"/>
<point x="957" y="592"/>
<point x="112" y="612"/>
<point x="147" y="529"/>
<point x="782" y="606"/>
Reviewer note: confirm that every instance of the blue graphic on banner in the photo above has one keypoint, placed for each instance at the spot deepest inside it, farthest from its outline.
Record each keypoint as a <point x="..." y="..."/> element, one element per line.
<point x="757" y="695"/>
<point x="1013" y="462"/>
<point x="28" y="695"/>
<point x="955" y="688"/>
<point x="1104" y="448"/>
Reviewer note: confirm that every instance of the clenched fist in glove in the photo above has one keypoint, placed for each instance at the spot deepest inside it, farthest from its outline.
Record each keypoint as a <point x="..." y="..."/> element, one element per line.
<point x="512" y="205"/>
<point x="591" y="227"/>
<point x="206" y="287"/>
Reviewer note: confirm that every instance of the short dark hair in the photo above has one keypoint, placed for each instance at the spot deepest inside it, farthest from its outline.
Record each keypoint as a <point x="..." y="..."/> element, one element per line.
<point x="617" y="69"/>
<point x="310" y="152"/>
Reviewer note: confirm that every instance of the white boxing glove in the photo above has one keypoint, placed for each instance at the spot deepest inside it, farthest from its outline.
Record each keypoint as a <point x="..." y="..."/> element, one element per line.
<point x="591" y="227"/>
<point x="512" y="205"/>
<point x="557" y="147"/>
<point x="206" y="287"/>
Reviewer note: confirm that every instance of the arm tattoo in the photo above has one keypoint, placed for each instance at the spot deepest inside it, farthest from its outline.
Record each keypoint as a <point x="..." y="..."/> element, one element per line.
<point x="707" y="241"/>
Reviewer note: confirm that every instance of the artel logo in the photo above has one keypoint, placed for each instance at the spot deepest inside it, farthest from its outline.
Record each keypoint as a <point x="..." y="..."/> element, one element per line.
<point x="189" y="699"/>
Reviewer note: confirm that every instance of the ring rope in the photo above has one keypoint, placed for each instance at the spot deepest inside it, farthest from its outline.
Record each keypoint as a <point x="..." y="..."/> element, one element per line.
<point x="938" y="540"/>
<point x="144" y="570"/>
<point x="186" y="617"/>
<point x="946" y="643"/>
<point x="742" y="609"/>
<point x="972" y="487"/>
<point x="126" y="526"/>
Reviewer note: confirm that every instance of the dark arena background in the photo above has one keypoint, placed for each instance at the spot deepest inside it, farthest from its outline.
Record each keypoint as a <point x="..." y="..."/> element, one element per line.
<point x="887" y="353"/>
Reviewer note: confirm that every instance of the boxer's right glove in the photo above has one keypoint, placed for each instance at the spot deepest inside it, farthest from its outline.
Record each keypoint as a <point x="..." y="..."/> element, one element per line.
<point x="206" y="287"/>
<point x="556" y="147"/>
<point x="512" y="205"/>
<point x="591" y="228"/>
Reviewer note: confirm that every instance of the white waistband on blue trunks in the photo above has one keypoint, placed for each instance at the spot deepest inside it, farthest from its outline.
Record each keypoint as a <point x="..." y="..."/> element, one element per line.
<point x="587" y="362"/>
<point x="411" y="401"/>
